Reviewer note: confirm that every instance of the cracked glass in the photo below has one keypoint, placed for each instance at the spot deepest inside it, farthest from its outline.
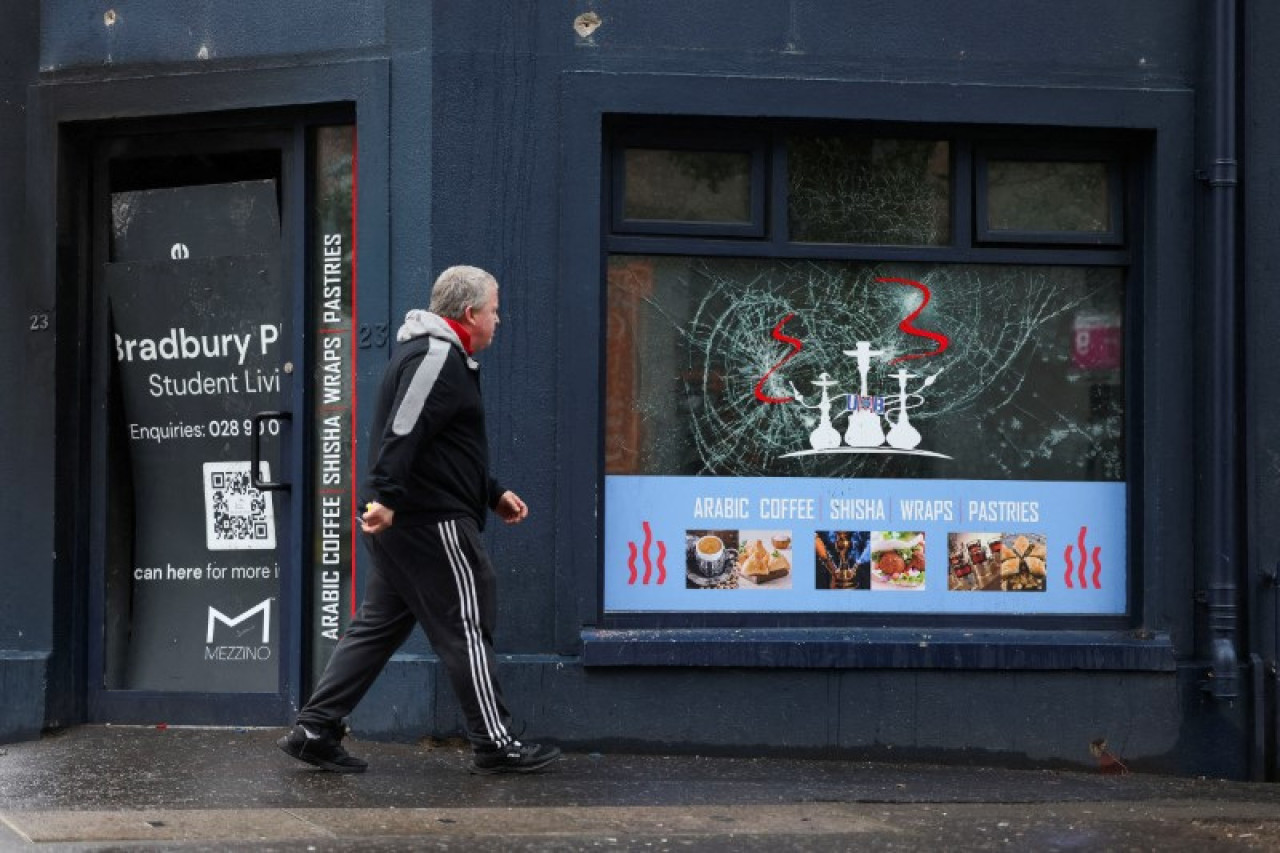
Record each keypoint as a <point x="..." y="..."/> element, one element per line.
<point x="853" y="189"/>
<point x="736" y="367"/>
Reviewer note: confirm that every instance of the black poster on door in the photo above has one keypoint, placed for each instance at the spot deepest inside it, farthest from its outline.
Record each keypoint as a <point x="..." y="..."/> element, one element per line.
<point x="198" y="345"/>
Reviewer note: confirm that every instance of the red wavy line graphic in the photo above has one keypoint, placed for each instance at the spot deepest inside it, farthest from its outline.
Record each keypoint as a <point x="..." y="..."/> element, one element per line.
<point x="648" y="540"/>
<point x="1084" y="558"/>
<point x="908" y="324"/>
<point x="631" y="562"/>
<point x="662" y="568"/>
<point x="796" y="346"/>
<point x="1066" y="555"/>
<point x="1097" y="567"/>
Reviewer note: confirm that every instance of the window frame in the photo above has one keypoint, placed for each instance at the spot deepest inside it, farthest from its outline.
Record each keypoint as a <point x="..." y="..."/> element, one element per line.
<point x="701" y="141"/>
<point x="966" y="143"/>
<point x="983" y="234"/>
<point x="775" y="239"/>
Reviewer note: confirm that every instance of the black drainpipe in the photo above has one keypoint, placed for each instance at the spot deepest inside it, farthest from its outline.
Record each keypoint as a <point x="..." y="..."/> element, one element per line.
<point x="1221" y="548"/>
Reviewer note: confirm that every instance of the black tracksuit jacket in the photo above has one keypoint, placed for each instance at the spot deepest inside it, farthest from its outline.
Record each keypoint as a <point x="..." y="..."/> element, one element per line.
<point x="430" y="458"/>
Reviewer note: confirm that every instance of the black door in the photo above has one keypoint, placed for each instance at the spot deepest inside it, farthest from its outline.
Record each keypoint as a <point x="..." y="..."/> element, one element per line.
<point x="197" y="521"/>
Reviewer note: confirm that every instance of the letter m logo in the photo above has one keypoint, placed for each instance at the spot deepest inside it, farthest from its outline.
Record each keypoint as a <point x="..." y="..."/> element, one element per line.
<point x="216" y="615"/>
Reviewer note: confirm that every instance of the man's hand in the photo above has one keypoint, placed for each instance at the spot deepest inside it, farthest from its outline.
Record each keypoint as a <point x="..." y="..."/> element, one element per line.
<point x="511" y="509"/>
<point x="377" y="518"/>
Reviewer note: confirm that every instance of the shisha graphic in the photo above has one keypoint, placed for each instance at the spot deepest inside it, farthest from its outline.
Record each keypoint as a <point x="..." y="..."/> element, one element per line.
<point x="903" y="435"/>
<point x="826" y="436"/>
<point x="864" y="425"/>
<point x="865" y="433"/>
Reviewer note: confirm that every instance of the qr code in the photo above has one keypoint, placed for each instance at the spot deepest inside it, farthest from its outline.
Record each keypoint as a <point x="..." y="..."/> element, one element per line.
<point x="238" y="516"/>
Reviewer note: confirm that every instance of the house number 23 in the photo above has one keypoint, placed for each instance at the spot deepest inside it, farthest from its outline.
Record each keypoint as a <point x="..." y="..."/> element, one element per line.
<point x="372" y="336"/>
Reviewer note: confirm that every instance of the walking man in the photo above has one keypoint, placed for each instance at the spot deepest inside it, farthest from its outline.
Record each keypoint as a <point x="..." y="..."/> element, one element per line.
<point x="428" y="492"/>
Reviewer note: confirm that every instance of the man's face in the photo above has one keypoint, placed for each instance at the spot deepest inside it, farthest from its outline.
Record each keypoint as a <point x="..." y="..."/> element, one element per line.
<point x="483" y="322"/>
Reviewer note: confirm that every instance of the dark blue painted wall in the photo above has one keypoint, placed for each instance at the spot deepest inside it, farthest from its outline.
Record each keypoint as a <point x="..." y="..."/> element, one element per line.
<point x="93" y="35"/>
<point x="1146" y="43"/>
<point x="496" y="133"/>
<point x="17" y="71"/>
<point x="25" y="636"/>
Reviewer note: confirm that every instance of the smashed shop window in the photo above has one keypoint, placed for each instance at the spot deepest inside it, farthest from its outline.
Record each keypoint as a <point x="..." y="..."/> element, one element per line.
<point x="866" y="397"/>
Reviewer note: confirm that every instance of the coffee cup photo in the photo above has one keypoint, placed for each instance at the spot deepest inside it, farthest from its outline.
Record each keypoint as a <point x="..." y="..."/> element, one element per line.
<point x="709" y="556"/>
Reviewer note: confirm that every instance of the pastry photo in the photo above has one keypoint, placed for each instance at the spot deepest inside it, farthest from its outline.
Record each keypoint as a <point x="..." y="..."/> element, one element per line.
<point x="761" y="563"/>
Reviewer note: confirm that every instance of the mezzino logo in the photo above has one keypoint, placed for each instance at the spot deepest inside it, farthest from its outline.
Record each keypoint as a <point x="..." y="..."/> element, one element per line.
<point x="239" y="652"/>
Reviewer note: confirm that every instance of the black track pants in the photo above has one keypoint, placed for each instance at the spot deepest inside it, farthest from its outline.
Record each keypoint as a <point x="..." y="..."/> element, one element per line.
<point x="439" y="576"/>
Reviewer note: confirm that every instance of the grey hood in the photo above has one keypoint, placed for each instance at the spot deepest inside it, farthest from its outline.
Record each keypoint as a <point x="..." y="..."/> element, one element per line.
<point x="418" y="323"/>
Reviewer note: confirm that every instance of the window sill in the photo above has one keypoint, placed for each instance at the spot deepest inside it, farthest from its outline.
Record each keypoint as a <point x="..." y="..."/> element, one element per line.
<point x="878" y="648"/>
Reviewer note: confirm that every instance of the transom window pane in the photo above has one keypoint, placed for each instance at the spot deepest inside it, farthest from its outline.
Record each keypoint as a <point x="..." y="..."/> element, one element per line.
<point x="790" y="368"/>
<point x="687" y="186"/>
<point x="1048" y="196"/>
<point x="850" y="189"/>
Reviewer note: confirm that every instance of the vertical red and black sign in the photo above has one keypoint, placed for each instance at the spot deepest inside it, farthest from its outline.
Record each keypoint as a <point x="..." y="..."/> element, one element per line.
<point x="333" y="276"/>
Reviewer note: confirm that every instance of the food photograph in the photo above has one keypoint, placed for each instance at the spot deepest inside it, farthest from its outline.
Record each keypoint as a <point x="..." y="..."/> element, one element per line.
<point x="996" y="562"/>
<point x="710" y="558"/>
<point x="897" y="560"/>
<point x="1024" y="563"/>
<point x="973" y="561"/>
<point x="764" y="560"/>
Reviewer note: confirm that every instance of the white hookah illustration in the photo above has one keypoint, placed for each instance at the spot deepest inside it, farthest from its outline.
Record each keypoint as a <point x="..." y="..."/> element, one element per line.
<point x="903" y="435"/>
<point x="864" y="424"/>
<point x="865" y="432"/>
<point x="826" y="436"/>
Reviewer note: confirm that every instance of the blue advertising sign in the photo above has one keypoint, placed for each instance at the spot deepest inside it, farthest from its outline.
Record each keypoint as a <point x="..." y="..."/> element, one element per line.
<point x="732" y="544"/>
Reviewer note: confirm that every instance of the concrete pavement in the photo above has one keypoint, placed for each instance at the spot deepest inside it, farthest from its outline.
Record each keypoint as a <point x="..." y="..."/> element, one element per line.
<point x="137" y="788"/>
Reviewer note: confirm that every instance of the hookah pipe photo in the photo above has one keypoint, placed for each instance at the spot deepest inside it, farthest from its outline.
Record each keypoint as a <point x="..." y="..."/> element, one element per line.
<point x="842" y="576"/>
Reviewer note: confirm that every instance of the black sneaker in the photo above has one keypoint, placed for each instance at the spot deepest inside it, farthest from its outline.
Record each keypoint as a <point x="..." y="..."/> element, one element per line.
<point x="515" y="758"/>
<point x="322" y="748"/>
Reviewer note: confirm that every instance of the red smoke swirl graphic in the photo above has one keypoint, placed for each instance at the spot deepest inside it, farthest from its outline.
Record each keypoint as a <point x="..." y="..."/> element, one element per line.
<point x="633" y="552"/>
<point x="796" y="346"/>
<point x="1084" y="562"/>
<point x="908" y="325"/>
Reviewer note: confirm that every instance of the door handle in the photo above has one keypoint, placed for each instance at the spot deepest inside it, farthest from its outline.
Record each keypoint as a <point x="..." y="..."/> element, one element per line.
<point x="255" y="451"/>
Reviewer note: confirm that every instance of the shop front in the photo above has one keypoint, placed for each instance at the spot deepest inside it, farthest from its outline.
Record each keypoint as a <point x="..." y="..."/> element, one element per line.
<point x="880" y="385"/>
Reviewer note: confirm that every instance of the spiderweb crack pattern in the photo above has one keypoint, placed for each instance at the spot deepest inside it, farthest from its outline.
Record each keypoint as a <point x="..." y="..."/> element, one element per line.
<point x="1007" y="402"/>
